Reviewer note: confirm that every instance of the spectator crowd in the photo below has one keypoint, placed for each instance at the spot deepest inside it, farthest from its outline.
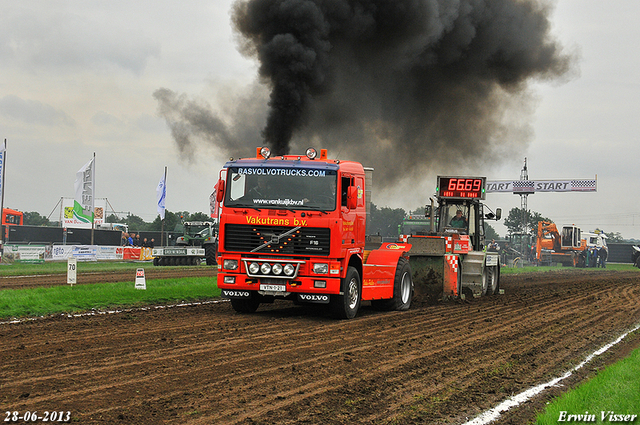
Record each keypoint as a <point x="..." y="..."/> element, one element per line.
<point x="132" y="239"/>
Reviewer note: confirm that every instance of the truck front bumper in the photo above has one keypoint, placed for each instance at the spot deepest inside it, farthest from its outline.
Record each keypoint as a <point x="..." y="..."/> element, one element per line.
<point x="279" y="287"/>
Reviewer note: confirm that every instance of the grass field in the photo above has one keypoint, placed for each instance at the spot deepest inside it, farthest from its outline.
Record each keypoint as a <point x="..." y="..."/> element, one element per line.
<point x="20" y="303"/>
<point x="614" y="391"/>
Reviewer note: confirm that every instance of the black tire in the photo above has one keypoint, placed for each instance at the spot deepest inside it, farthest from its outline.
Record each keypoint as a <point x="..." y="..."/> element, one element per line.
<point x="246" y="305"/>
<point x="347" y="304"/>
<point x="468" y="293"/>
<point x="210" y="254"/>
<point x="485" y="281"/>
<point x="493" y="280"/>
<point x="156" y="261"/>
<point x="402" y="289"/>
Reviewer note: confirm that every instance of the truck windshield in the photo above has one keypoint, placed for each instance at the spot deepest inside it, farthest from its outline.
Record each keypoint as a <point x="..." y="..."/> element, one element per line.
<point x="281" y="188"/>
<point x="414" y="226"/>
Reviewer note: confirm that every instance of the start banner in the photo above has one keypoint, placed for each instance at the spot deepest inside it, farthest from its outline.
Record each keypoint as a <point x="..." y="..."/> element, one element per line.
<point x="533" y="186"/>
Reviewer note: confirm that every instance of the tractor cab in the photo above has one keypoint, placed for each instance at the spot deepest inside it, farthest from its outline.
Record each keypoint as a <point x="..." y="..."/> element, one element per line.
<point x="460" y="210"/>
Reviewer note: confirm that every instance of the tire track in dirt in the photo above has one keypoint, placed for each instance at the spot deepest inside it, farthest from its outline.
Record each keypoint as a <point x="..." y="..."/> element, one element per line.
<point x="207" y="364"/>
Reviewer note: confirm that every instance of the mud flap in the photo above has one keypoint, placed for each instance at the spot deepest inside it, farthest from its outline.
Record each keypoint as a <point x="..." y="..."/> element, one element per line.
<point x="427" y="274"/>
<point x="452" y="285"/>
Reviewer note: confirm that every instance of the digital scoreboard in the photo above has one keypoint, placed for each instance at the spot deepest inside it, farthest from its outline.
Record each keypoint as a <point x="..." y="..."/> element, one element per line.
<point x="461" y="187"/>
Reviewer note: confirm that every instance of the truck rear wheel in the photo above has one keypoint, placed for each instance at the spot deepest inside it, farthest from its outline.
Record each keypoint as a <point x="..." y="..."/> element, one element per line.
<point x="402" y="289"/>
<point x="346" y="305"/>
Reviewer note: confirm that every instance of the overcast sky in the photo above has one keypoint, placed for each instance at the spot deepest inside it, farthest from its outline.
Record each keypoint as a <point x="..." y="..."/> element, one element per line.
<point x="78" y="77"/>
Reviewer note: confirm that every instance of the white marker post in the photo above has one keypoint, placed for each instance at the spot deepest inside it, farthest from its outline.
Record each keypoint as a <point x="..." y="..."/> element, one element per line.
<point x="72" y="265"/>
<point x="141" y="283"/>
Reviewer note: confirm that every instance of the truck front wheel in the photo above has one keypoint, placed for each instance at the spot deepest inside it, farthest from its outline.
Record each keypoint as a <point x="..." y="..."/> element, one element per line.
<point x="347" y="304"/>
<point x="246" y="305"/>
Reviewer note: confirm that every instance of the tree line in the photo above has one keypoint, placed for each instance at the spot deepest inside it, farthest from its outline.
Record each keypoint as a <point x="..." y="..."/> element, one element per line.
<point x="172" y="221"/>
<point x="383" y="221"/>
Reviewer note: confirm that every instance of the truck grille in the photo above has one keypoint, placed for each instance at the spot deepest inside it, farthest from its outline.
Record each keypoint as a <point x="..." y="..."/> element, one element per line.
<point x="270" y="239"/>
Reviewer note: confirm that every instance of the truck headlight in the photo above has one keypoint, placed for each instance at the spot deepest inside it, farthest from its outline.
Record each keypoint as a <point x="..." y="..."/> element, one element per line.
<point x="321" y="268"/>
<point x="277" y="269"/>
<point x="289" y="269"/>
<point x="254" y="268"/>
<point x="230" y="264"/>
<point x="265" y="268"/>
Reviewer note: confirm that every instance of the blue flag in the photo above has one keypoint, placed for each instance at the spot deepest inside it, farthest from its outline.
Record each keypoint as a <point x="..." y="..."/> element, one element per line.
<point x="161" y="195"/>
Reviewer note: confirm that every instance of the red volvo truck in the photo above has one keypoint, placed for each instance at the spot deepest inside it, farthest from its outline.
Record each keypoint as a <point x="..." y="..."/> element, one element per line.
<point x="293" y="227"/>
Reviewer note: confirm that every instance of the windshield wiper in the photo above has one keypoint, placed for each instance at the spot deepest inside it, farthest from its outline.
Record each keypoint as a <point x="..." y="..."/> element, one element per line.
<point x="244" y="206"/>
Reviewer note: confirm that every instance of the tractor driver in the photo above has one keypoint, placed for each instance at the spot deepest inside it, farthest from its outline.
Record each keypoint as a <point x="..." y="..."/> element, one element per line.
<point x="458" y="220"/>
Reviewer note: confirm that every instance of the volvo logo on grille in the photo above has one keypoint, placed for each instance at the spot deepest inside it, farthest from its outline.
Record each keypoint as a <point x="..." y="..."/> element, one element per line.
<point x="314" y="298"/>
<point x="235" y="294"/>
<point x="275" y="239"/>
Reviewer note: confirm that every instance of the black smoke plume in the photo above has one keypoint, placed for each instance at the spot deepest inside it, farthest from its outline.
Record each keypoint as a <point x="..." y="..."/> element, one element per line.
<point x="399" y="84"/>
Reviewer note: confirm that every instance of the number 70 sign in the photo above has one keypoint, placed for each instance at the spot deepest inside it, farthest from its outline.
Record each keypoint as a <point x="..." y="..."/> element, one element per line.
<point x="72" y="265"/>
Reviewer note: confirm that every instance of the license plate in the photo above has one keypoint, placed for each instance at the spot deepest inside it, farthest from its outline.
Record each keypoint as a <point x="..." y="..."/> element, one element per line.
<point x="273" y="288"/>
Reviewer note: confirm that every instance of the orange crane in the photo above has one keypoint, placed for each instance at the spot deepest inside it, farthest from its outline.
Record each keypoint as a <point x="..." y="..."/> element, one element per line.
<point x="566" y="247"/>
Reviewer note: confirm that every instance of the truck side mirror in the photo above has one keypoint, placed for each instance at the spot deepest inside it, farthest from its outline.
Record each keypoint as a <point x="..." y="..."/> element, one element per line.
<point x="220" y="191"/>
<point x="498" y="213"/>
<point x="352" y="197"/>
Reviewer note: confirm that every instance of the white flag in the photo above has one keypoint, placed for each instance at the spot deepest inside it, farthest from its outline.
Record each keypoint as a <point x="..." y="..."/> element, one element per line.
<point x="83" y="209"/>
<point x="161" y="195"/>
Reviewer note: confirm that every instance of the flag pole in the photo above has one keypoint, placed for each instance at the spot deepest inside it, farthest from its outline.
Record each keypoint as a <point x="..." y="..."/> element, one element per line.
<point x="4" y="168"/>
<point x="162" y="226"/>
<point x="93" y="196"/>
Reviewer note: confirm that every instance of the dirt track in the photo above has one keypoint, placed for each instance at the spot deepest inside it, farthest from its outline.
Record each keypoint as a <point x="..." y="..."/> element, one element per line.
<point x="287" y="365"/>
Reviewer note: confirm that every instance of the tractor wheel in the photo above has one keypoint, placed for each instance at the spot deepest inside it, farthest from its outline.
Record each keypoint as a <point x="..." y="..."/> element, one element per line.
<point x="346" y="305"/>
<point x="246" y="305"/>
<point x="210" y="254"/>
<point x="402" y="289"/>
<point x="485" y="281"/>
<point x="493" y="280"/>
<point x="468" y="293"/>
